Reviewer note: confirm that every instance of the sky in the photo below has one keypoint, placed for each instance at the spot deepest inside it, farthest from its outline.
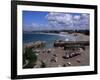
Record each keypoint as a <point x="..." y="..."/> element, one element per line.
<point x="37" y="21"/>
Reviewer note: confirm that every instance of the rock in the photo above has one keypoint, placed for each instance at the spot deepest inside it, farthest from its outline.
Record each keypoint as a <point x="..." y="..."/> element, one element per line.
<point x="69" y="63"/>
<point x="53" y="59"/>
<point x="70" y="55"/>
<point x="78" y="60"/>
<point x="73" y="54"/>
<point x="64" y="65"/>
<point x="49" y="50"/>
<point x="37" y="66"/>
<point x="44" y="50"/>
<point x="37" y="54"/>
<point x="59" y="66"/>
<point x="39" y="44"/>
<point x="77" y="53"/>
<point x="55" y="55"/>
<point x="64" y="57"/>
<point x="37" y="51"/>
<point x="67" y="56"/>
<point x="56" y="59"/>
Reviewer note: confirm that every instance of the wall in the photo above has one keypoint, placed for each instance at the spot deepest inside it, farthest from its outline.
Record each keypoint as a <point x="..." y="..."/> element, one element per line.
<point x="5" y="29"/>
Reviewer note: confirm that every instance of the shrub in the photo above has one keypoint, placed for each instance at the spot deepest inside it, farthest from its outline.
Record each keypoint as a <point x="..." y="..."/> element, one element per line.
<point x="30" y="56"/>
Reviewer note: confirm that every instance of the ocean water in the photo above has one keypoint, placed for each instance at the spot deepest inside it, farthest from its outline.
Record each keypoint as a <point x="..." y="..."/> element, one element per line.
<point x="49" y="39"/>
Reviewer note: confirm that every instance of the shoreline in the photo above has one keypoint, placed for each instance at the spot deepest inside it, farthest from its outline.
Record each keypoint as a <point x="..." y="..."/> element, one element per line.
<point x="80" y="36"/>
<point x="50" y="34"/>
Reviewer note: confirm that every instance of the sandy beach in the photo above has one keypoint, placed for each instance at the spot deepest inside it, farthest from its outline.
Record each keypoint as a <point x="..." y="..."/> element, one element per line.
<point x="56" y="56"/>
<point x="46" y="57"/>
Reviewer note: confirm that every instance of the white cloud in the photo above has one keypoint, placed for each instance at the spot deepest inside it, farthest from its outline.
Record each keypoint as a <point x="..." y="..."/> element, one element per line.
<point x="58" y="21"/>
<point x="31" y="27"/>
<point x="77" y="17"/>
<point x="69" y="20"/>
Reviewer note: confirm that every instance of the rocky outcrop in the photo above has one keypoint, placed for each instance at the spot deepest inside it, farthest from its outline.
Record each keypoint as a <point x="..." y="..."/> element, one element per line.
<point x="37" y="44"/>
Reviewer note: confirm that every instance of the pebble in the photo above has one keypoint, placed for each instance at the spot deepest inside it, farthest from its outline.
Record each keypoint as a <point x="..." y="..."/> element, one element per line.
<point x="78" y="60"/>
<point x="69" y="63"/>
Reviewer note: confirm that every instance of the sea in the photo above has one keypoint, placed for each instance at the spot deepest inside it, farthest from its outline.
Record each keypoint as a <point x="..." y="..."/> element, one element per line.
<point x="47" y="38"/>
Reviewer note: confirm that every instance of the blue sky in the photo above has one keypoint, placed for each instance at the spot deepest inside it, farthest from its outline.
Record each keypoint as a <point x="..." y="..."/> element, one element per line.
<point x="31" y="16"/>
<point x="35" y="20"/>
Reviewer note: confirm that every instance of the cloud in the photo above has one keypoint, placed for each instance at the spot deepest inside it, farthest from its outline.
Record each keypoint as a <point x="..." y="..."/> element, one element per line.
<point x="31" y="27"/>
<point x="69" y="20"/>
<point x="61" y="21"/>
<point x="59" y="17"/>
<point x="37" y="27"/>
<point x="76" y="17"/>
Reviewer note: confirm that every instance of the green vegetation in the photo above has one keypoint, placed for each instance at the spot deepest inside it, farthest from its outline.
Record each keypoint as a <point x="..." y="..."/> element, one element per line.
<point x="30" y="56"/>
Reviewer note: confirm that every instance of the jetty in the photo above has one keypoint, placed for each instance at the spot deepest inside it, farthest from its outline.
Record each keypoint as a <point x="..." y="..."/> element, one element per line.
<point x="70" y="43"/>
